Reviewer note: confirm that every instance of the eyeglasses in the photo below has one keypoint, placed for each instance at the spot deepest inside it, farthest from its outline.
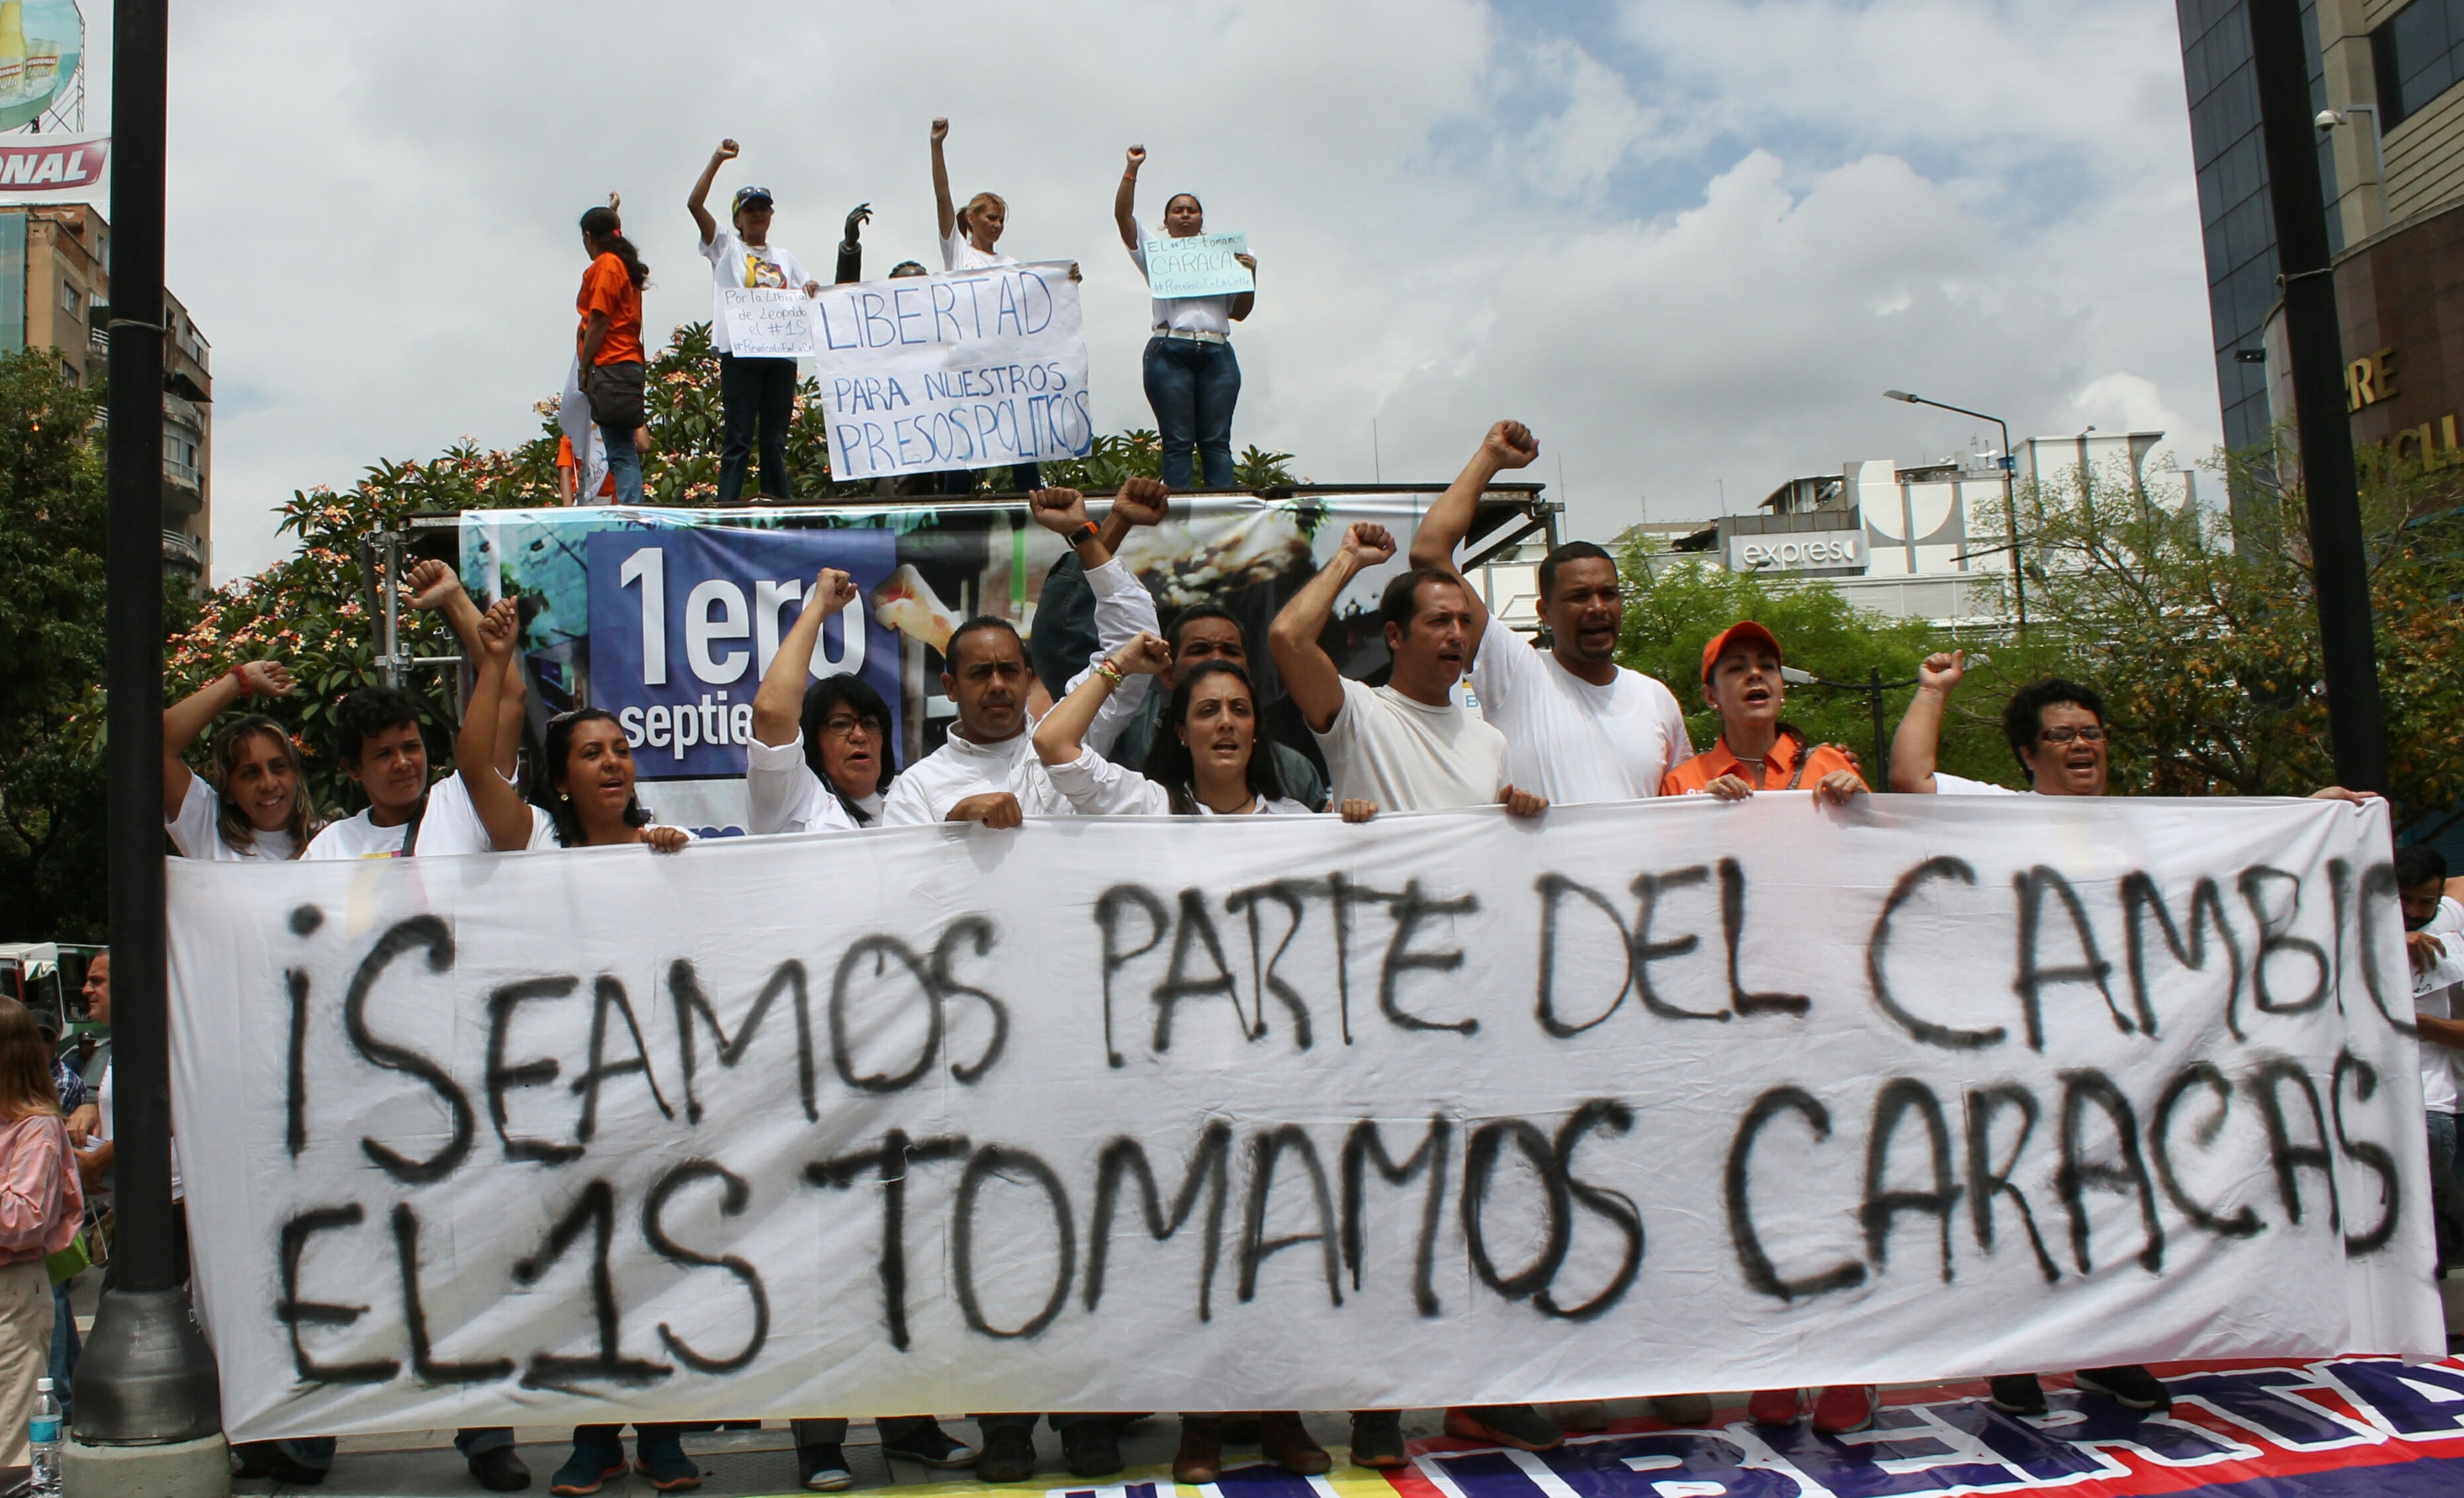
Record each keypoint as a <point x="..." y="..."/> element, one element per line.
<point x="839" y="728"/>
<point x="2093" y="733"/>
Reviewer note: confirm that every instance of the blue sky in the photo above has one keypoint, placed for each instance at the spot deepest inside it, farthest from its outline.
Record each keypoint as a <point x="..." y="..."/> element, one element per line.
<point x="1689" y="243"/>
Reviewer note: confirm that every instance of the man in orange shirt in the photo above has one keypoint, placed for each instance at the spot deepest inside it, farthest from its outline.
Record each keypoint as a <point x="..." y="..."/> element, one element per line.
<point x="1757" y="751"/>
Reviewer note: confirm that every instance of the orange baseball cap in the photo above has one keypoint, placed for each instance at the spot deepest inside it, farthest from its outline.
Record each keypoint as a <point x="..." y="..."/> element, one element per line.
<point x="1741" y="633"/>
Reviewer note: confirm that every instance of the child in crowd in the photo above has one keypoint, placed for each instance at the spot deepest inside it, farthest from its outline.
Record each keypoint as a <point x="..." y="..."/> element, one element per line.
<point x="41" y="1205"/>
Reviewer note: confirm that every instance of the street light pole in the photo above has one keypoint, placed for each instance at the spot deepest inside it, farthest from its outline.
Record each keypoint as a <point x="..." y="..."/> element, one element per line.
<point x="2349" y="655"/>
<point x="1872" y="687"/>
<point x="2010" y="496"/>
<point x="148" y="1415"/>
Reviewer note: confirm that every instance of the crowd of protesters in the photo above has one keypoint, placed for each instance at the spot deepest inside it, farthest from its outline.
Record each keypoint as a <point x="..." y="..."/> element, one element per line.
<point x="1154" y="720"/>
<point x="1191" y="378"/>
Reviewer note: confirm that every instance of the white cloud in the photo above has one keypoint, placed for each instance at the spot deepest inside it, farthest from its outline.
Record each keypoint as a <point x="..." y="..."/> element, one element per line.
<point x="1697" y="249"/>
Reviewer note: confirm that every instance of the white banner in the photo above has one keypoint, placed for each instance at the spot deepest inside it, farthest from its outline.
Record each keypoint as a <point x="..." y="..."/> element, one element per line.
<point x="769" y="321"/>
<point x="1199" y="265"/>
<point x="979" y="369"/>
<point x="1277" y="1112"/>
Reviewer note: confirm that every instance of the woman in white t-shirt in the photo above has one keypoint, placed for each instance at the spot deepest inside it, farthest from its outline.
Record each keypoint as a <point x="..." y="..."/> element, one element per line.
<point x="254" y="805"/>
<point x="1205" y="761"/>
<point x="969" y="236"/>
<point x="586" y="769"/>
<point x="1193" y="380"/>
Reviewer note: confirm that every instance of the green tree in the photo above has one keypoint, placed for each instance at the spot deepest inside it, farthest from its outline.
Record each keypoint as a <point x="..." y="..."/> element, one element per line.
<point x="2203" y="635"/>
<point x="52" y="623"/>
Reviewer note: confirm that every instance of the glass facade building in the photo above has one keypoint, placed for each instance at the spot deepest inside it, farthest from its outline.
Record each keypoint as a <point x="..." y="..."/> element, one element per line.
<point x="2235" y="214"/>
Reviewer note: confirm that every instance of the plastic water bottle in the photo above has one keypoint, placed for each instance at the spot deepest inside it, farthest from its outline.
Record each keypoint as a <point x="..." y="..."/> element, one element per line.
<point x="44" y="1430"/>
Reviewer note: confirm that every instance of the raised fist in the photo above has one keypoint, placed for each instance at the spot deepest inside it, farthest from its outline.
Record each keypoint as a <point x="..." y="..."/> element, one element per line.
<point x="1143" y="502"/>
<point x="832" y="591"/>
<point x="1145" y="655"/>
<point x="1510" y="445"/>
<point x="1369" y="543"/>
<point x="1060" y="511"/>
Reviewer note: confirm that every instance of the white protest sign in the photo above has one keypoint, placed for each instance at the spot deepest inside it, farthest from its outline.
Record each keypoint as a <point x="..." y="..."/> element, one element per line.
<point x="768" y="321"/>
<point x="1276" y="1112"/>
<point x="1201" y="265"/>
<point x="975" y="370"/>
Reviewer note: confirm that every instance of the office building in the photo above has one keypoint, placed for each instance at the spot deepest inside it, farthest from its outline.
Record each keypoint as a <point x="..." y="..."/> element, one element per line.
<point x="55" y="294"/>
<point x="1920" y="542"/>
<point x="2383" y="78"/>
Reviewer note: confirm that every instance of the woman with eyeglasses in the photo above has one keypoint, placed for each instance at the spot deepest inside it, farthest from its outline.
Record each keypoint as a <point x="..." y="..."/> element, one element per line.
<point x="820" y="757"/>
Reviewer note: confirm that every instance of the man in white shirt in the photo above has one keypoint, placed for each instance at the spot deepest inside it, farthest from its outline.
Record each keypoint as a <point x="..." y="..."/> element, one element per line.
<point x="1578" y="726"/>
<point x="986" y="770"/>
<point x="377" y="737"/>
<point x="753" y="392"/>
<point x="1408" y="745"/>
<point x="2433" y="939"/>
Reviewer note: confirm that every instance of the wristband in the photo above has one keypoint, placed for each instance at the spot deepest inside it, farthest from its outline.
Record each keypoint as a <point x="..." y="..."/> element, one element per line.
<point x="1084" y="534"/>
<point x="1109" y="672"/>
<point x="238" y="679"/>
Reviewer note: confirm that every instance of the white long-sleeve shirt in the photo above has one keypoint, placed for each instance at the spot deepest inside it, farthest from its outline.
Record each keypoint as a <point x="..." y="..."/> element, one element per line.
<point x="925" y="791"/>
<point x="1093" y="785"/>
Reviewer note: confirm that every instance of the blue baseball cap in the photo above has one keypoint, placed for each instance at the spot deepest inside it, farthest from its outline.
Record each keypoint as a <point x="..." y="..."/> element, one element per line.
<point x="746" y="197"/>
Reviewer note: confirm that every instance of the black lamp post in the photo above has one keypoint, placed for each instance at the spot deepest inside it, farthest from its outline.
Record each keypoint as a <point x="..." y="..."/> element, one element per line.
<point x="2314" y="343"/>
<point x="2010" y="495"/>
<point x="1872" y="687"/>
<point x="146" y="1378"/>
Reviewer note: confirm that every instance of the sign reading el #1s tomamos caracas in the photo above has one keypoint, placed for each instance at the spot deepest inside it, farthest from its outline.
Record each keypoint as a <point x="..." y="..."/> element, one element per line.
<point x="1281" y="1112"/>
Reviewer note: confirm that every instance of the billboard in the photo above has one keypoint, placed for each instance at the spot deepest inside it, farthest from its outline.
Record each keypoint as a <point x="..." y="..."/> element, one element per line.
<point x="42" y="44"/>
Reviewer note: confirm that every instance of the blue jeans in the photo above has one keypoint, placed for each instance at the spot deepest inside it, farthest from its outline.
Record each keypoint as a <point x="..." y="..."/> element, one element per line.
<point x="1193" y="387"/>
<point x="755" y="392"/>
<point x="64" y="1344"/>
<point x="624" y="464"/>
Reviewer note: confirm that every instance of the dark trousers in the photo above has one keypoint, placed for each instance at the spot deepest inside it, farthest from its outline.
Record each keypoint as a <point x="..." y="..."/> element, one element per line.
<point x="1024" y="477"/>
<point x="831" y="1432"/>
<point x="756" y="393"/>
<point x="988" y="1423"/>
<point x="612" y="1436"/>
<point x="1193" y="387"/>
<point x="64" y="1346"/>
